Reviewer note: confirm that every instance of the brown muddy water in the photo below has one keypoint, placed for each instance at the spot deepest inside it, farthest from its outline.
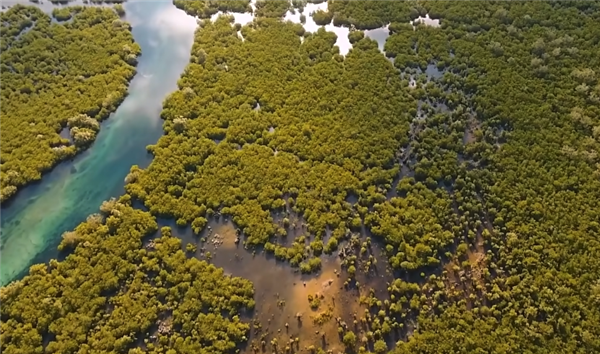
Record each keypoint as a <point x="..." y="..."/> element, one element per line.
<point x="283" y="311"/>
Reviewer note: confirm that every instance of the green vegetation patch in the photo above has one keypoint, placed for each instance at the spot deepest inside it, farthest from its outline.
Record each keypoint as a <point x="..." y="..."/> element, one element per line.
<point x="368" y="14"/>
<point x="207" y="8"/>
<point x="492" y="230"/>
<point x="111" y="294"/>
<point x="56" y="76"/>
<point x="418" y="226"/>
<point x="274" y="124"/>
<point x="522" y="180"/>
<point x="272" y="8"/>
<point x="94" y="2"/>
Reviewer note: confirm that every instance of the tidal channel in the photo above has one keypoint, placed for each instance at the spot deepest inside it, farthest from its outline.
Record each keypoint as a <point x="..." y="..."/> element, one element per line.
<point x="32" y="224"/>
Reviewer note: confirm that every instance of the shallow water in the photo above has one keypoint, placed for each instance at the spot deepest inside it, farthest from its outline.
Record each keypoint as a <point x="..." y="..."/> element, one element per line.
<point x="46" y="5"/>
<point x="282" y="292"/>
<point x="433" y="72"/>
<point x="310" y="26"/>
<point x="33" y="222"/>
<point x="243" y="18"/>
<point x="380" y="35"/>
<point x="427" y="21"/>
<point x="343" y="42"/>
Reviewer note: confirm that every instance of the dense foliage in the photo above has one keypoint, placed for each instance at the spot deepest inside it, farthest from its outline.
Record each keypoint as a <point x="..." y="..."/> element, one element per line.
<point x="371" y="14"/>
<point x="65" y="2"/>
<point x="207" y="8"/>
<point x="271" y="124"/>
<point x="264" y="8"/>
<point x="522" y="274"/>
<point x="53" y="75"/>
<point x="471" y="155"/>
<point x="498" y="190"/>
<point x="111" y="295"/>
<point x="272" y="8"/>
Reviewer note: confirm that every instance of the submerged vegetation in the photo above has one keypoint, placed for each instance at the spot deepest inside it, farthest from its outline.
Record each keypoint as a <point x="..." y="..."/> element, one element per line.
<point x="54" y="75"/>
<point x="468" y="156"/>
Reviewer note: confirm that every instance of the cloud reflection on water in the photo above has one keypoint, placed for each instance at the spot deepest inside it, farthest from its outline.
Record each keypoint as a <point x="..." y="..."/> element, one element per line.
<point x="34" y="221"/>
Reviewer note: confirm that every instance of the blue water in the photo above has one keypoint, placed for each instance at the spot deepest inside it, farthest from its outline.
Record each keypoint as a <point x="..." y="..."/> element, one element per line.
<point x="32" y="224"/>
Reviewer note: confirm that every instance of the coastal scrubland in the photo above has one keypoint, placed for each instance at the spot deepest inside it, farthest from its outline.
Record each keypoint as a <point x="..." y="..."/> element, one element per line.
<point x="65" y="72"/>
<point x="389" y="209"/>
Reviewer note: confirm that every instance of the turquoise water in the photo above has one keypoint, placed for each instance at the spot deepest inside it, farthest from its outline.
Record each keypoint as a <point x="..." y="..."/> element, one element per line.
<point x="32" y="224"/>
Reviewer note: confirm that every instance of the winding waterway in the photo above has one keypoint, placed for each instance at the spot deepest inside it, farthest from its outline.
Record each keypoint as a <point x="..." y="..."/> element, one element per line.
<point x="32" y="223"/>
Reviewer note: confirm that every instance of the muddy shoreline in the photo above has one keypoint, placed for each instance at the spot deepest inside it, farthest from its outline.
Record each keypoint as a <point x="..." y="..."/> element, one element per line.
<point x="285" y="318"/>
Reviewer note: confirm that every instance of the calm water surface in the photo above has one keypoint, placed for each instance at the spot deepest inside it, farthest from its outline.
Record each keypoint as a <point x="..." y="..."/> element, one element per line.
<point x="34" y="221"/>
<point x="32" y="224"/>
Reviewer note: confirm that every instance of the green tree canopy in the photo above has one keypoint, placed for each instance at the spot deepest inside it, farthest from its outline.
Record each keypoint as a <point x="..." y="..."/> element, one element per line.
<point x="52" y="72"/>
